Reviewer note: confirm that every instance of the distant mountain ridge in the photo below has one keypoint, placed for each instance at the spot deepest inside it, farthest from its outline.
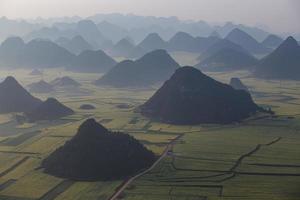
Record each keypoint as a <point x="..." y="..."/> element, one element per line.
<point x="36" y="72"/>
<point x="117" y="26"/>
<point x="146" y="25"/>
<point x="283" y="63"/>
<point x="64" y="81"/>
<point x="152" y="68"/>
<point x="34" y="54"/>
<point x="76" y="45"/>
<point x="15" y="53"/>
<point x="10" y="27"/>
<point x="112" y="31"/>
<point x="246" y="41"/>
<point x="215" y="34"/>
<point x="228" y="59"/>
<point x="87" y="29"/>
<point x="182" y="41"/>
<point x="220" y="45"/>
<point x="40" y="87"/>
<point x="272" y="41"/>
<point x="123" y="48"/>
<point x="257" y="33"/>
<point x="91" y="33"/>
<point x="153" y="42"/>
<point x="14" y="98"/>
<point x="51" y="109"/>
<point x="92" y="61"/>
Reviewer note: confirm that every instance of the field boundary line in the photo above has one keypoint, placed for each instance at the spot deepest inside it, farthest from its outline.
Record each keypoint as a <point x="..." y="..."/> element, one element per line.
<point x="14" y="166"/>
<point x="125" y="184"/>
<point x="232" y="170"/>
<point x="57" y="190"/>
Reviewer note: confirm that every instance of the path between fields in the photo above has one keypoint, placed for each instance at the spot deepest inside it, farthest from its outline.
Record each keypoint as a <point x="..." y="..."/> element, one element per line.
<point x="14" y="166"/>
<point x="129" y="181"/>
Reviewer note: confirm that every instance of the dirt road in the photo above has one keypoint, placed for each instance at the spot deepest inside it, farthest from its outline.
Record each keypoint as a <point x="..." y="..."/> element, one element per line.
<point x="129" y="181"/>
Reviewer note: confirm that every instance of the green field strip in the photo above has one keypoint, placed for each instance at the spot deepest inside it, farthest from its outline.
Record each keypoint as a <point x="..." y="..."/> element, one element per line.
<point x="197" y="179"/>
<point x="151" y="196"/>
<point x="146" y="142"/>
<point x="218" y="187"/>
<point x="14" y="166"/>
<point x="3" y="197"/>
<point x="105" y="121"/>
<point x="268" y="174"/>
<point x="134" y="120"/>
<point x="267" y="160"/>
<point x="188" y="196"/>
<point x="21" y="153"/>
<point x="250" y="153"/>
<point x="7" y="184"/>
<point x="58" y="136"/>
<point x="210" y="156"/>
<point x="57" y="190"/>
<point x="224" y="175"/>
<point x="19" y="139"/>
<point x="203" y="159"/>
<point x="198" y="170"/>
<point x="274" y="165"/>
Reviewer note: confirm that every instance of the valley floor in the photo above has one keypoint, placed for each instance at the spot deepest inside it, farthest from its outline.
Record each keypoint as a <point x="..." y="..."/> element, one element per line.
<point x="256" y="159"/>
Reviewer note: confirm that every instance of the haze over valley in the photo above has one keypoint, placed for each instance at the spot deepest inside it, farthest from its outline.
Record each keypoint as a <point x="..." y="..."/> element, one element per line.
<point x="148" y="100"/>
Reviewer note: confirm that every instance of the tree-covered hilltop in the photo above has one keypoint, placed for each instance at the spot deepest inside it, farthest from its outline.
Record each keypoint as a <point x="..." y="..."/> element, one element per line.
<point x="97" y="154"/>
<point x="190" y="97"/>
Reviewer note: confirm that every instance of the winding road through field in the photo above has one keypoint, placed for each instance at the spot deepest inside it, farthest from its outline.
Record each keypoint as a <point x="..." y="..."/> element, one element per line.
<point x="129" y="181"/>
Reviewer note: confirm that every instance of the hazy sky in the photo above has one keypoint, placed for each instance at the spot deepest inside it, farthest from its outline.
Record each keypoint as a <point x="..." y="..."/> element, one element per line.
<point x="279" y="15"/>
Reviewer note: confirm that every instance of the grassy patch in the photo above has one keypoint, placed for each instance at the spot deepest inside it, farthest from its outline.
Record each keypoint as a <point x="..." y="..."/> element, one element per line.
<point x="15" y="141"/>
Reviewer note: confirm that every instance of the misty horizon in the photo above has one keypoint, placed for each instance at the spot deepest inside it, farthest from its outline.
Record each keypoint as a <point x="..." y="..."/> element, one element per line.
<point x="278" y="16"/>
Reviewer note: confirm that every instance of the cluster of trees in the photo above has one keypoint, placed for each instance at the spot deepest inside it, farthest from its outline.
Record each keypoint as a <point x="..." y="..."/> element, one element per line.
<point x="96" y="153"/>
<point x="190" y="97"/>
